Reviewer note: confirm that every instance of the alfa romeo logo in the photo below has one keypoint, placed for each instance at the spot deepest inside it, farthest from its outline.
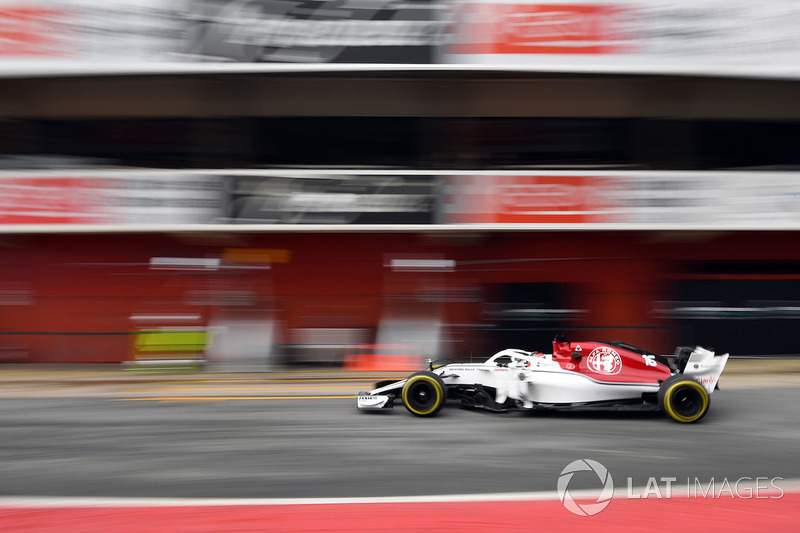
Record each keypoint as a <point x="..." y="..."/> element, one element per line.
<point x="605" y="360"/>
<point x="590" y="508"/>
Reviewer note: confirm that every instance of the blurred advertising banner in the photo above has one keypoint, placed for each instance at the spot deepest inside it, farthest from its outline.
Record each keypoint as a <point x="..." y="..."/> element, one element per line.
<point x="739" y="200"/>
<point x="50" y="200"/>
<point x="46" y="34"/>
<point x="37" y="35"/>
<point x="733" y="36"/>
<point x="330" y="199"/>
<point x="163" y="198"/>
<point x="624" y="200"/>
<point x="315" y="31"/>
<point x="115" y="198"/>
<point x="499" y="28"/>
<point x="27" y="30"/>
<point x="528" y="199"/>
<point x="631" y="200"/>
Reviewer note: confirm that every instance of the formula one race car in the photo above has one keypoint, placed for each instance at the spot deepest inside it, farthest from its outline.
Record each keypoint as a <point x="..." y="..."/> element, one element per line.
<point x="607" y="375"/>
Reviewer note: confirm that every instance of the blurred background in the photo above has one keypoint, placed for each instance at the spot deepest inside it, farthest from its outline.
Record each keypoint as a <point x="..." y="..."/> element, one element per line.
<point x="369" y="183"/>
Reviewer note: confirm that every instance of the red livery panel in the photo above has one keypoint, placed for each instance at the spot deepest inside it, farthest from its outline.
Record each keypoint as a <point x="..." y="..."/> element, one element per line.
<point x="610" y="362"/>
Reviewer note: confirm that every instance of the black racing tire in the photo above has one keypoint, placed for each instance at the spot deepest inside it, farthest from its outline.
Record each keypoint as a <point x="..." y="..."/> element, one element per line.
<point x="683" y="399"/>
<point x="441" y="362"/>
<point x="424" y="394"/>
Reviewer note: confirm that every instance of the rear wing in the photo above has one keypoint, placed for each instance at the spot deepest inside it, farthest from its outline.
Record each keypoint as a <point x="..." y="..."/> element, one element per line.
<point x="704" y="366"/>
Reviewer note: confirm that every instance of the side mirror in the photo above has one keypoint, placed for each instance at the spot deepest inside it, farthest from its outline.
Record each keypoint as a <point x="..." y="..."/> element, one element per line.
<point x="576" y="356"/>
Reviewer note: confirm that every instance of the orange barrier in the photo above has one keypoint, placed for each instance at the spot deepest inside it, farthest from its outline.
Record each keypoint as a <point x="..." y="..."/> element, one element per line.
<point x="389" y="362"/>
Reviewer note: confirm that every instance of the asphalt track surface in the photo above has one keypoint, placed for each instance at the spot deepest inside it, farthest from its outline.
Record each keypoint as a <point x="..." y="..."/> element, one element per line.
<point x="240" y="455"/>
<point x="151" y="445"/>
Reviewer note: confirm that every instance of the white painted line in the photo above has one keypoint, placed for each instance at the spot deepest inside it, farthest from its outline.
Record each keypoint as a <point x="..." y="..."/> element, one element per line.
<point x="789" y="485"/>
<point x="60" y="68"/>
<point x="394" y="228"/>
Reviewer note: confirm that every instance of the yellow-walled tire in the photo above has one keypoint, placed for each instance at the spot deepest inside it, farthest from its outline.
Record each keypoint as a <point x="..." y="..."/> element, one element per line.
<point x="683" y="399"/>
<point x="424" y="393"/>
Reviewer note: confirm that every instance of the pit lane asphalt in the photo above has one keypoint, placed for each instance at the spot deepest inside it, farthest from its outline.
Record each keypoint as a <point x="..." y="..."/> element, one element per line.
<point x="61" y="442"/>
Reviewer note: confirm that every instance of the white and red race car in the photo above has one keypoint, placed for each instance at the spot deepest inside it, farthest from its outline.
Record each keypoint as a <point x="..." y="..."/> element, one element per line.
<point x="606" y="375"/>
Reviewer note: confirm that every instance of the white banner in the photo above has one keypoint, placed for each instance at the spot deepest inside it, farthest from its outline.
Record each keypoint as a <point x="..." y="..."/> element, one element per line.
<point x="623" y="200"/>
<point x="47" y="33"/>
<point x="708" y="37"/>
<point x="117" y="198"/>
<point x="736" y="37"/>
<point x="407" y="200"/>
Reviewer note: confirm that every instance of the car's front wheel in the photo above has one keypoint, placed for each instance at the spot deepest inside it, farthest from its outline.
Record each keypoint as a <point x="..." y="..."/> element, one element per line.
<point x="683" y="399"/>
<point x="424" y="393"/>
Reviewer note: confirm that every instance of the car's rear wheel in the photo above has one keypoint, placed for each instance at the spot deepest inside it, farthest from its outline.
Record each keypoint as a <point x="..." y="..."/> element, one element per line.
<point x="424" y="393"/>
<point x="683" y="399"/>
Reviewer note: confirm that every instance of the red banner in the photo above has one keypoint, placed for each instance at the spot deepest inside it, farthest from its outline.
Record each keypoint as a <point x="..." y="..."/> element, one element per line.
<point x="28" y="31"/>
<point x="541" y="29"/>
<point x="51" y="200"/>
<point x="528" y="199"/>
